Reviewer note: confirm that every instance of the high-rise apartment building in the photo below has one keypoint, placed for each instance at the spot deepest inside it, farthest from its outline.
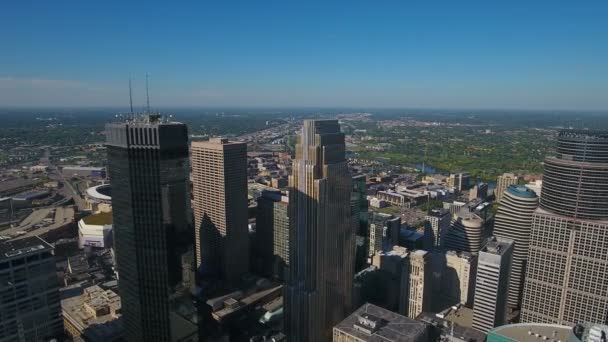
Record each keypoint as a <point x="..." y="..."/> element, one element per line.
<point x="492" y="284"/>
<point x="153" y="233"/>
<point x="322" y="239"/>
<point x="30" y="305"/>
<point x="502" y="183"/>
<point x="514" y="221"/>
<point x="272" y="232"/>
<point x="466" y="232"/>
<point x="219" y="179"/>
<point x="383" y="232"/>
<point x="436" y="223"/>
<point x="567" y="274"/>
<point x="418" y="284"/>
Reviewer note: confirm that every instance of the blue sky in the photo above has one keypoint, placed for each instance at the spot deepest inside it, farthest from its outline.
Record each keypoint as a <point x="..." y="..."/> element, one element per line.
<point x="381" y="53"/>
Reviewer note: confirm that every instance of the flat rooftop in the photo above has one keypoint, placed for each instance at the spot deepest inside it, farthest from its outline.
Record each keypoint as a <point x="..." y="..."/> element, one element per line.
<point x="22" y="247"/>
<point x="390" y="326"/>
<point x="527" y="332"/>
<point x="100" y="219"/>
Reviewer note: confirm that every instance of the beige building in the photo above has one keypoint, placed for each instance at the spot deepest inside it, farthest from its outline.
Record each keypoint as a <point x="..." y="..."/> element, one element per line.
<point x="418" y="298"/>
<point x="502" y="183"/>
<point x="219" y="177"/>
<point x="93" y="316"/>
<point x="321" y="235"/>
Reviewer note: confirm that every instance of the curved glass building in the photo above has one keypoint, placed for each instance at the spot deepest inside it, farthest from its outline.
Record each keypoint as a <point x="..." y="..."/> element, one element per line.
<point x="514" y="221"/>
<point x="567" y="273"/>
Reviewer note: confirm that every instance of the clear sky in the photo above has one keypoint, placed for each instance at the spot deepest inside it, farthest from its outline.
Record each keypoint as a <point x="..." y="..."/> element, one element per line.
<point x="533" y="54"/>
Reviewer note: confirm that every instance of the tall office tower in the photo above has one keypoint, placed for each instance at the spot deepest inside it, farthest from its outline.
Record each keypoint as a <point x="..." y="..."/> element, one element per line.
<point x="272" y="232"/>
<point x="219" y="179"/>
<point x="479" y="191"/>
<point x="502" y="183"/>
<point x="322" y="240"/>
<point x="567" y="274"/>
<point x="492" y="284"/>
<point x="436" y="223"/>
<point x="153" y="233"/>
<point x="418" y="299"/>
<point x="466" y="232"/>
<point x="459" y="180"/>
<point x="30" y="305"/>
<point x="514" y="221"/>
<point x="383" y="232"/>
<point x="453" y="277"/>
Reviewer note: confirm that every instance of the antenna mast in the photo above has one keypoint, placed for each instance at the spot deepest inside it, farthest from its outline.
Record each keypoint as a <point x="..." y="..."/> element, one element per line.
<point x="130" y="96"/>
<point x="147" y="96"/>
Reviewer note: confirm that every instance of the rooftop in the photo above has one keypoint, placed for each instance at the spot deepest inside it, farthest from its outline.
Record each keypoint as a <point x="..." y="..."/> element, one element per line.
<point x="521" y="191"/>
<point x="373" y="323"/>
<point x="528" y="332"/>
<point x="22" y="247"/>
<point x="496" y="245"/>
<point x="100" y="219"/>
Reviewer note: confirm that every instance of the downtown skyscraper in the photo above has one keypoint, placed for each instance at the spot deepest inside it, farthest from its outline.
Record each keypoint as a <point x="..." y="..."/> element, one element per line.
<point x="153" y="233"/>
<point x="318" y="292"/>
<point x="567" y="274"/>
<point x="219" y="177"/>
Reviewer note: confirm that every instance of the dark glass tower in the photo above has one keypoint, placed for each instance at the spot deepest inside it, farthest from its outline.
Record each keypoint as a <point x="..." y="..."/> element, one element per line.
<point x="153" y="232"/>
<point x="567" y="274"/>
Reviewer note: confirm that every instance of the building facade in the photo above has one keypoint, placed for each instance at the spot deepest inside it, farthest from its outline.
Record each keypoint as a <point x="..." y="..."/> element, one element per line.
<point x="219" y="179"/>
<point x="272" y="233"/>
<point x="383" y="232"/>
<point x="466" y="232"/>
<point x="322" y="238"/>
<point x="153" y="232"/>
<point x="30" y="307"/>
<point x="502" y="183"/>
<point x="418" y="298"/>
<point x="567" y="274"/>
<point x="436" y="223"/>
<point x="514" y="221"/>
<point x="492" y="284"/>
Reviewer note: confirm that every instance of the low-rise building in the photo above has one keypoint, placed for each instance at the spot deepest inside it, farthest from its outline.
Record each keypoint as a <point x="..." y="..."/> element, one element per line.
<point x="93" y="316"/>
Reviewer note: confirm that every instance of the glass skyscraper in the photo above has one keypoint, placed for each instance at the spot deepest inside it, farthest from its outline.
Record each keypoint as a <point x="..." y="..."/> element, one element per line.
<point x="153" y="232"/>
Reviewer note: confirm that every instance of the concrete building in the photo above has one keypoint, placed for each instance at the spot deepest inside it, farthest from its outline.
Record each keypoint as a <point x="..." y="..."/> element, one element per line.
<point x="442" y="329"/>
<point x="567" y="274"/>
<point x="95" y="231"/>
<point x="454" y="276"/>
<point x="436" y="223"/>
<point x="371" y="323"/>
<point x="492" y="284"/>
<point x="419" y="296"/>
<point x="383" y="232"/>
<point x="93" y="316"/>
<point x="479" y="191"/>
<point x="322" y="238"/>
<point x="466" y="232"/>
<point x="392" y="281"/>
<point x="502" y="182"/>
<point x="514" y="221"/>
<point x="459" y="180"/>
<point x="272" y="233"/>
<point x="219" y="178"/>
<point x="148" y="161"/>
<point x="30" y="307"/>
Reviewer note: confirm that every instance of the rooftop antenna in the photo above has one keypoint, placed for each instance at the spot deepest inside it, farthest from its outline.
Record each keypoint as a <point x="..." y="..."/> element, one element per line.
<point x="130" y="96"/>
<point x="147" y="96"/>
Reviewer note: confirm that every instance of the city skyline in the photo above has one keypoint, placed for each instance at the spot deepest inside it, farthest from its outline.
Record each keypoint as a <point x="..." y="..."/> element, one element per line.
<point x="543" y="56"/>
